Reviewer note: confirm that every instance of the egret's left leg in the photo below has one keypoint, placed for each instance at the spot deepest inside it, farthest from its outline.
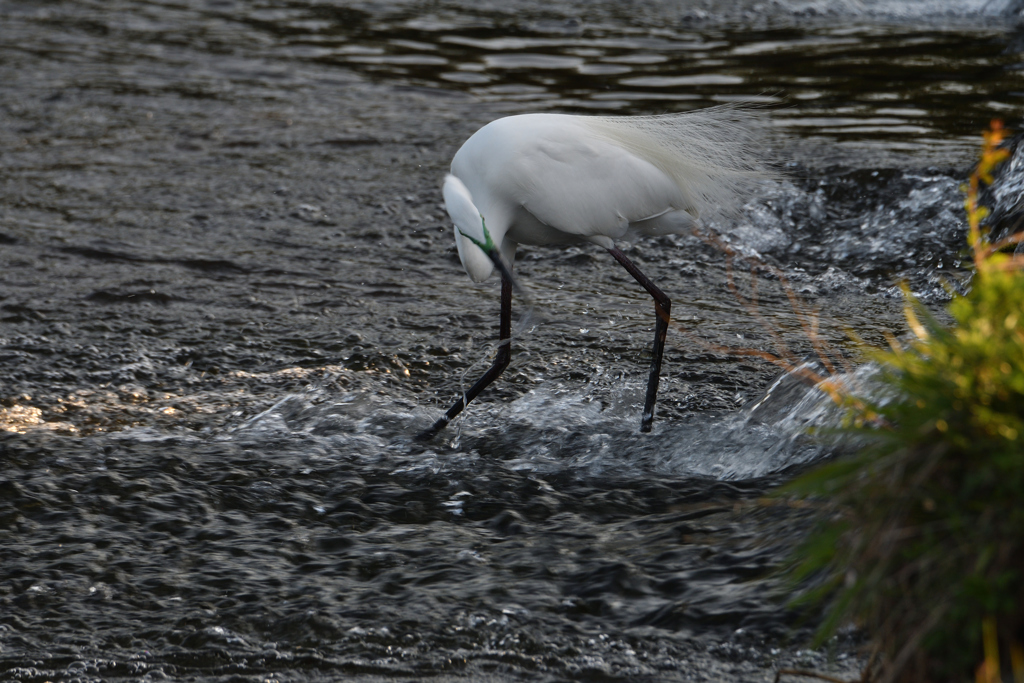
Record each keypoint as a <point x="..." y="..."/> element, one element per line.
<point x="663" y="309"/>
<point x="501" y="360"/>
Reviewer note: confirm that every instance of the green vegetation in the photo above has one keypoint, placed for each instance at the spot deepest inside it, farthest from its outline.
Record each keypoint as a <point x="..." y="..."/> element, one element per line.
<point x="923" y="540"/>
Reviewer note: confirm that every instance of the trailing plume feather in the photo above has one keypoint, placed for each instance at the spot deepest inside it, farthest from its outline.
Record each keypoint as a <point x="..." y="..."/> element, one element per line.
<point x="715" y="155"/>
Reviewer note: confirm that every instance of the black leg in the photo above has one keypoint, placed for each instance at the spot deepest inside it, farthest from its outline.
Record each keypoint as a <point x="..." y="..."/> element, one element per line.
<point x="663" y="309"/>
<point x="500" y="361"/>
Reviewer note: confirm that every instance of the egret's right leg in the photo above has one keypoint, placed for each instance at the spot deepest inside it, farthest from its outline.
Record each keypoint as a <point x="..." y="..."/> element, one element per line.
<point x="662" y="309"/>
<point x="501" y="361"/>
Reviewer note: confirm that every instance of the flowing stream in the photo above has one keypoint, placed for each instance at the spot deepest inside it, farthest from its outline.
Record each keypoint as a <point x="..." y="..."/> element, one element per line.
<point x="229" y="298"/>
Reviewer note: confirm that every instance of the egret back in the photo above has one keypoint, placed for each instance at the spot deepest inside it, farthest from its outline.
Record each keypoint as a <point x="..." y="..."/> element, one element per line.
<point x="555" y="178"/>
<point x="550" y="178"/>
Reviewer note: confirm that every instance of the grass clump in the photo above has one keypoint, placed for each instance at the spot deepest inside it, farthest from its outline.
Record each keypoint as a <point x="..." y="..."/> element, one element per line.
<point x="923" y="544"/>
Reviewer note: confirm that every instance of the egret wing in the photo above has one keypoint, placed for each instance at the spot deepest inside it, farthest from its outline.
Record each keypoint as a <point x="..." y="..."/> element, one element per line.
<point x="581" y="183"/>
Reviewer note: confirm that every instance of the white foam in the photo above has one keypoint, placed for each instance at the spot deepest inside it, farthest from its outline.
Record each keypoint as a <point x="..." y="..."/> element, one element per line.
<point x="583" y="429"/>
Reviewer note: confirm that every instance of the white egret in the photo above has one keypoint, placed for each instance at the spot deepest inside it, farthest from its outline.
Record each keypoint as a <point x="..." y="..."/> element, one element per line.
<point x="562" y="179"/>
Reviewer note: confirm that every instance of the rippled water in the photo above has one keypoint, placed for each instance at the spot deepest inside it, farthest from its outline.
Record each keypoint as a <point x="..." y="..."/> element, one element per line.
<point x="229" y="298"/>
<point x="849" y="82"/>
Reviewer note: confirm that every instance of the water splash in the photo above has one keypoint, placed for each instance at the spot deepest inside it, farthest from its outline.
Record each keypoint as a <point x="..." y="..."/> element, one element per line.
<point x="563" y="430"/>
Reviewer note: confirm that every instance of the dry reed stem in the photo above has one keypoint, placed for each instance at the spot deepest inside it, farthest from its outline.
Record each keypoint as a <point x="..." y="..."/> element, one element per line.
<point x="808" y="320"/>
<point x="911" y="646"/>
<point x="809" y="674"/>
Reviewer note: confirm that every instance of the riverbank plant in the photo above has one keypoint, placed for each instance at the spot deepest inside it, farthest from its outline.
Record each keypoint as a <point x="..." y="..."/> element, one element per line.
<point x="923" y="539"/>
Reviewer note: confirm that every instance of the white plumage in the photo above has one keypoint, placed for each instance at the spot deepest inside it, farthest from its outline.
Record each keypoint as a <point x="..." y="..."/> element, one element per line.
<point x="556" y="178"/>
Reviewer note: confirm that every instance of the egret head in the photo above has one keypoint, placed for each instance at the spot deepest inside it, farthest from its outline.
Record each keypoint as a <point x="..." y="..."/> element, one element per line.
<point x="477" y="249"/>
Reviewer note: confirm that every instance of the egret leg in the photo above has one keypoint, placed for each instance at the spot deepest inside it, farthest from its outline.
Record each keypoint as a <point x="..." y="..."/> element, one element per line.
<point x="501" y="360"/>
<point x="663" y="309"/>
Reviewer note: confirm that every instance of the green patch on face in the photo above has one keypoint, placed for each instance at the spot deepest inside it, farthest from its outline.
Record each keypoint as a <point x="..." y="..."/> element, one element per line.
<point x="488" y="244"/>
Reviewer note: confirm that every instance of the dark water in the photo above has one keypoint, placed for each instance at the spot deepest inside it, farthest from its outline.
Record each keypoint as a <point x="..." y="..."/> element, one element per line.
<point x="229" y="297"/>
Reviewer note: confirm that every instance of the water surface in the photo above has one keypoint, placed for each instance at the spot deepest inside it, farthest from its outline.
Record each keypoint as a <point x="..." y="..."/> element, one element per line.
<point x="229" y="297"/>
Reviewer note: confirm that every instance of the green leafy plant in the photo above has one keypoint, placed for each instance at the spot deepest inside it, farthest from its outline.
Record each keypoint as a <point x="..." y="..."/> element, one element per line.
<point x="923" y="538"/>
